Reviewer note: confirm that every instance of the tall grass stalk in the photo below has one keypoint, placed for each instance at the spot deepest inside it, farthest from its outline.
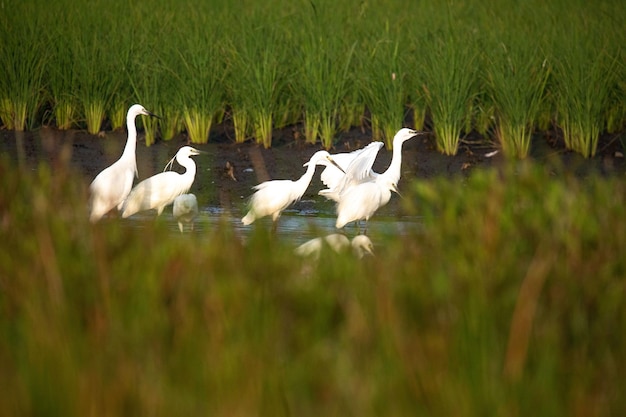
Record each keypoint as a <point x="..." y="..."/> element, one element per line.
<point x="517" y="75"/>
<point x="449" y="86"/>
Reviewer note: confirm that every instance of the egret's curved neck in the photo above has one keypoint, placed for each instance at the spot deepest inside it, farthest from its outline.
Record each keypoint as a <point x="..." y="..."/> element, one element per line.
<point x="393" y="171"/>
<point x="131" y="142"/>
<point x="304" y="181"/>
<point x="189" y="164"/>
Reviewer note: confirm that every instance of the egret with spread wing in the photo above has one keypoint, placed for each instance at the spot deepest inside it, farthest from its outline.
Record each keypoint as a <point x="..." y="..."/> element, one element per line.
<point x="361" y="192"/>
<point x="360" y="166"/>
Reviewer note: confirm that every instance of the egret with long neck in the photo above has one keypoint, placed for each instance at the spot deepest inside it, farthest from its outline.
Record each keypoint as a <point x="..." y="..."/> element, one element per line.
<point x="359" y="169"/>
<point x="111" y="186"/>
<point x="273" y="197"/>
<point x="162" y="189"/>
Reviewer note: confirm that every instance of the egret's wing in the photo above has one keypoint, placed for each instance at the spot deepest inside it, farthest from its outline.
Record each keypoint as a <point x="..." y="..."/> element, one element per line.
<point x="331" y="175"/>
<point x="271" y="183"/>
<point x="360" y="169"/>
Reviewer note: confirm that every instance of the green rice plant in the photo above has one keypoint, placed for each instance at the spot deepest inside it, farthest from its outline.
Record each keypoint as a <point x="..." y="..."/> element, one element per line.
<point x="95" y="81"/>
<point x="148" y="90"/>
<point x="258" y="78"/>
<point x="584" y="79"/>
<point x="24" y="56"/>
<point x="324" y="67"/>
<point x="516" y="78"/>
<point x="449" y="71"/>
<point x="616" y="112"/>
<point x="171" y="123"/>
<point x="121" y="94"/>
<point x="386" y="89"/>
<point x="324" y="82"/>
<point x="416" y="100"/>
<point x="62" y="81"/>
<point x="202" y="69"/>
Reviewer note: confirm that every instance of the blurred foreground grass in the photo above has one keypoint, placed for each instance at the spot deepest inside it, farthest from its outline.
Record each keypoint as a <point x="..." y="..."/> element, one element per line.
<point x="509" y="301"/>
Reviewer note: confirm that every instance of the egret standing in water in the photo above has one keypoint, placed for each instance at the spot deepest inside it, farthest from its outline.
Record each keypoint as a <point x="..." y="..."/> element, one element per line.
<point x="272" y="197"/>
<point x="360" y="164"/>
<point x="185" y="210"/>
<point x="361" y="192"/>
<point x="112" y="185"/>
<point x="161" y="189"/>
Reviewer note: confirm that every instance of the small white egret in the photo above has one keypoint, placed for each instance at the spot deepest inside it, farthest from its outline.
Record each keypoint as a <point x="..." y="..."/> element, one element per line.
<point x="185" y="210"/>
<point x="362" y="191"/>
<point x="161" y="189"/>
<point x="339" y="243"/>
<point x="112" y="185"/>
<point x="272" y="197"/>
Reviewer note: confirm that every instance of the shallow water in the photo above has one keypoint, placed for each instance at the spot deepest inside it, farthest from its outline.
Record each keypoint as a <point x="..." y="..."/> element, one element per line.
<point x="295" y="225"/>
<point x="220" y="200"/>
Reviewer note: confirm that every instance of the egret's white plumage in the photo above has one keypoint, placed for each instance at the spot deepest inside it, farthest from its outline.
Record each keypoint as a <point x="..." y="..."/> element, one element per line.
<point x="360" y="166"/>
<point x="112" y="185"/>
<point x="359" y="170"/>
<point x="339" y="243"/>
<point x="161" y="189"/>
<point x="185" y="210"/>
<point x="331" y="175"/>
<point x="272" y="197"/>
<point x="362" y="191"/>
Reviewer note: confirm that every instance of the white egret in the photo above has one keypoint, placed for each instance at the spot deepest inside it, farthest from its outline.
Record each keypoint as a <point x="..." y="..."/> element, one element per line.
<point x="185" y="210"/>
<point x="360" y="166"/>
<point x="362" y="191"/>
<point x="339" y="243"/>
<point x="161" y="189"/>
<point x="112" y="185"/>
<point x="272" y="197"/>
